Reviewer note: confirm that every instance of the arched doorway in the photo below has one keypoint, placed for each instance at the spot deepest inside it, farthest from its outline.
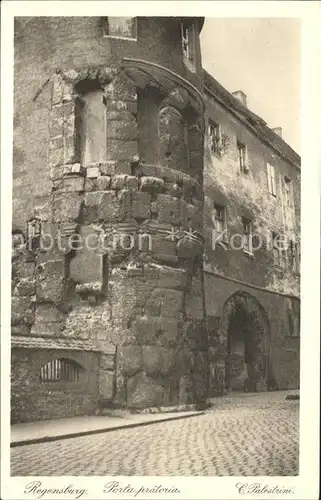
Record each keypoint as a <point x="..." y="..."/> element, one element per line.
<point x="246" y="332"/>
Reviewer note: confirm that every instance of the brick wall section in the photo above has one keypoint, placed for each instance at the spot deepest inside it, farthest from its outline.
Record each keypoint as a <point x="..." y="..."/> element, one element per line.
<point x="35" y="400"/>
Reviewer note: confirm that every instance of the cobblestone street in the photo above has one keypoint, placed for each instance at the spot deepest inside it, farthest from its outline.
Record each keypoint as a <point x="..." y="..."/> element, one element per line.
<point x="240" y="435"/>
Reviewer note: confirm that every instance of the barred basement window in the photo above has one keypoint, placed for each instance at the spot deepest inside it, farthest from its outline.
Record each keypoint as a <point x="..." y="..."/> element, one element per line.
<point x="60" y="370"/>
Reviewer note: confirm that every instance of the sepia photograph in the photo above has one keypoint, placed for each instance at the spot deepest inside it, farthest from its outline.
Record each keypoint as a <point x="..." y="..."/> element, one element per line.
<point x="155" y="249"/>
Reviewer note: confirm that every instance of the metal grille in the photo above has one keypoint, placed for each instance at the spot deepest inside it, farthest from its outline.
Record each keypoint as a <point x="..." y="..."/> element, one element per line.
<point x="60" y="370"/>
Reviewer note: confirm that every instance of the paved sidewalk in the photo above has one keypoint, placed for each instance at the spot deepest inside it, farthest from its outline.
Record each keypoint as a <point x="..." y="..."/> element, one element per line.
<point x="52" y="430"/>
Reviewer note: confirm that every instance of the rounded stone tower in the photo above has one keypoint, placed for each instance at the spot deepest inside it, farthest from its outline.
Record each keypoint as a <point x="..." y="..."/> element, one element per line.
<point x="107" y="213"/>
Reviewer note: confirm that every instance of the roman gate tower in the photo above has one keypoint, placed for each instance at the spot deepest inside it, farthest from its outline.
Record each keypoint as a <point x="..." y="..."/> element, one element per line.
<point x="107" y="295"/>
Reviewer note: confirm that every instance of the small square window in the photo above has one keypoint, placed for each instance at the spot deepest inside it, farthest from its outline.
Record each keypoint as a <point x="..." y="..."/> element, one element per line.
<point x="121" y="27"/>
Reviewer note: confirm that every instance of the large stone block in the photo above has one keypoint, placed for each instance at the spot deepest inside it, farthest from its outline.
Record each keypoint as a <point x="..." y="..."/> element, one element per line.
<point x="48" y="313"/>
<point x="67" y="207"/>
<point x="167" y="209"/>
<point x="50" y="281"/>
<point x="152" y="360"/>
<point x="169" y="331"/>
<point x="47" y="329"/>
<point x="153" y="184"/>
<point x="22" y="310"/>
<point x="141" y="203"/>
<point x="172" y="278"/>
<point x="107" y="205"/>
<point x="26" y="287"/>
<point x="70" y="185"/>
<point x="107" y="385"/>
<point x="146" y="329"/>
<point x="144" y="391"/>
<point x="129" y="359"/>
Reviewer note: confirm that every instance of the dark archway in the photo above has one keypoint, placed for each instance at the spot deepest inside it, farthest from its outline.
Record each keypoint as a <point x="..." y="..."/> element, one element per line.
<point x="245" y="330"/>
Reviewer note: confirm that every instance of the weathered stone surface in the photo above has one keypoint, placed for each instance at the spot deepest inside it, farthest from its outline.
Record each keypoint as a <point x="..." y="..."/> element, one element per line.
<point x="67" y="207"/>
<point x="124" y="129"/>
<point x="48" y="313"/>
<point x="26" y="286"/>
<point x="143" y="391"/>
<point x="167" y="209"/>
<point x="21" y="310"/>
<point x="129" y="359"/>
<point x="122" y="150"/>
<point x="152" y="360"/>
<point x="108" y="168"/>
<point x="167" y="302"/>
<point x="168" y="360"/>
<point x="107" y="362"/>
<point x="121" y="88"/>
<point x="185" y="395"/>
<point x="70" y="185"/>
<point x="172" y="278"/>
<point x="56" y="121"/>
<point x="189" y="247"/>
<point x="163" y="248"/>
<point x="141" y="203"/>
<point x="103" y="183"/>
<point x="107" y="205"/>
<point x="169" y="331"/>
<point x="47" y="329"/>
<point x="146" y="329"/>
<point x="121" y="105"/>
<point x="123" y="181"/>
<point x="50" y="281"/>
<point x="106" y="385"/>
<point x="92" y="172"/>
<point x="154" y="184"/>
<point x="190" y="215"/>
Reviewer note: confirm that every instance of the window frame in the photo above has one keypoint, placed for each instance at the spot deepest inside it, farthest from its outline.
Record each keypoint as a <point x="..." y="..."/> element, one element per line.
<point x="134" y="36"/>
<point x="278" y="262"/>
<point x="188" y="41"/>
<point x="288" y="191"/>
<point x="222" y="219"/>
<point x="212" y="125"/>
<point x="249" y="248"/>
<point x="271" y="178"/>
<point x="242" y="158"/>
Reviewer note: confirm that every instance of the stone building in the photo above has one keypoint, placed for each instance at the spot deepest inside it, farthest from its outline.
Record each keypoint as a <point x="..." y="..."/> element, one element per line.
<point x="134" y="173"/>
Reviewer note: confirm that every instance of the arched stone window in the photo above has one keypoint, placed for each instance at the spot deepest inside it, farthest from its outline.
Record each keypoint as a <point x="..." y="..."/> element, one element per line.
<point x="60" y="370"/>
<point x="173" y="139"/>
<point x="92" y="124"/>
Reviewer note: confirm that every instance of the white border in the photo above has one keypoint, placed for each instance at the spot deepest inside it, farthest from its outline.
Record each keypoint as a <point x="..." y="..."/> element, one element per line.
<point x="306" y="484"/>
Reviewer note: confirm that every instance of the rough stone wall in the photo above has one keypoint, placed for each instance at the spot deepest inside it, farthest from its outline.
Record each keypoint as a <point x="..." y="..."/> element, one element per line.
<point x="140" y="290"/>
<point x="35" y="400"/>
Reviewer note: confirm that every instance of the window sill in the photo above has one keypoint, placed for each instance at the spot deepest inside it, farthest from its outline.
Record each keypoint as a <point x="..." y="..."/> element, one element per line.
<point x="129" y="38"/>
